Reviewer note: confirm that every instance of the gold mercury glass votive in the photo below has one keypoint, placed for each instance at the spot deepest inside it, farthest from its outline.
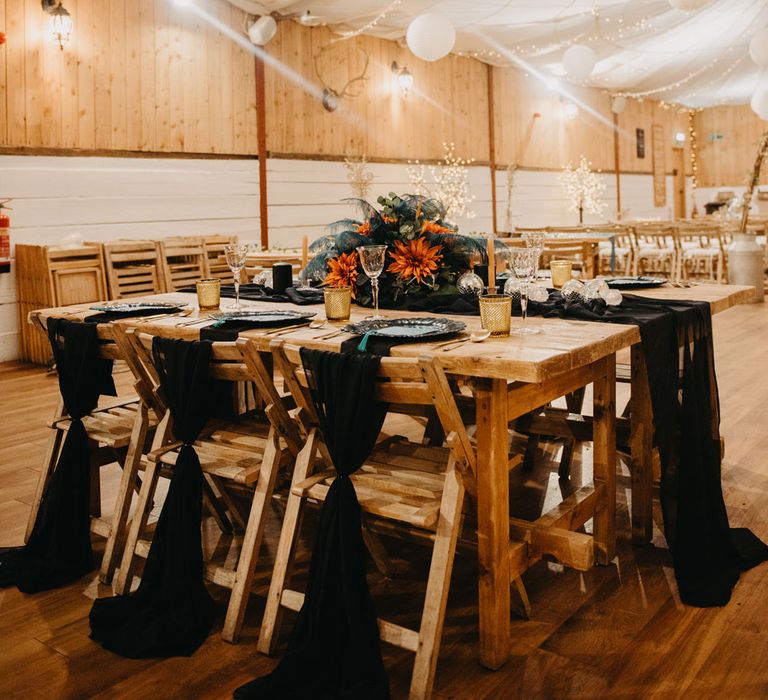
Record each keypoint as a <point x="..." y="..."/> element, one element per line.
<point x="496" y="313"/>
<point x="337" y="303"/>
<point x="209" y="294"/>
<point x="561" y="272"/>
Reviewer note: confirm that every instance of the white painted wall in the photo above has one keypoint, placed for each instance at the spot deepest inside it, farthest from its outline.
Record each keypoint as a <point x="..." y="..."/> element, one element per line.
<point x="109" y="198"/>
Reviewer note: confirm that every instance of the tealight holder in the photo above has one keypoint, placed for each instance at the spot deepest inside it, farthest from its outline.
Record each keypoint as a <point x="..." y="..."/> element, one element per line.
<point x="209" y="294"/>
<point x="561" y="272"/>
<point x="496" y="313"/>
<point x="337" y="303"/>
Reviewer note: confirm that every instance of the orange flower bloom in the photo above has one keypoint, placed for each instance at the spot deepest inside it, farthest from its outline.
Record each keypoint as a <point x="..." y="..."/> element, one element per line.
<point x="415" y="259"/>
<point x="364" y="228"/>
<point x="342" y="271"/>
<point x="389" y="219"/>
<point x="432" y="227"/>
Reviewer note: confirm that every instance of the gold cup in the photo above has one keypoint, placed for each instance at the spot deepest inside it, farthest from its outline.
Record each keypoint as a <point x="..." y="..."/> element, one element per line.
<point x="496" y="313"/>
<point x="337" y="303"/>
<point x="209" y="294"/>
<point x="561" y="272"/>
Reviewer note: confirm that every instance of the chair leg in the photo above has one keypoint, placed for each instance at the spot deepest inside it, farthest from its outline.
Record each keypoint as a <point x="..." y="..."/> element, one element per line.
<point x="138" y="523"/>
<point x="124" y="495"/>
<point x="438" y="584"/>
<point x="49" y="464"/>
<point x="293" y="509"/>
<point x="211" y="502"/>
<point x="254" y="532"/>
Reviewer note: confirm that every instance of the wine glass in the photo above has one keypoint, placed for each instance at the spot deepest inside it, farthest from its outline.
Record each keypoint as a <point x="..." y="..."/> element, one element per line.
<point x="524" y="262"/>
<point x="372" y="259"/>
<point x="235" y="255"/>
<point x="535" y="239"/>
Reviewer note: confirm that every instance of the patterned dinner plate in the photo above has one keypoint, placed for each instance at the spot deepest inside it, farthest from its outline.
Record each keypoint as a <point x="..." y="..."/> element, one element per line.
<point x="640" y="282"/>
<point x="128" y="307"/>
<point x="407" y="328"/>
<point x="264" y="318"/>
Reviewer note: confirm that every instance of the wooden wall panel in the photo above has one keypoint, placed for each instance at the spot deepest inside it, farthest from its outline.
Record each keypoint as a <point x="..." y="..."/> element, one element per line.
<point x="137" y="75"/>
<point x="728" y="160"/>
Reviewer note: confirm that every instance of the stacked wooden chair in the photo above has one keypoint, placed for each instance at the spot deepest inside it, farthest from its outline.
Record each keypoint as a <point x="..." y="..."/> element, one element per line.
<point x="241" y="454"/>
<point x="184" y="261"/>
<point x="118" y="431"/>
<point x="133" y="269"/>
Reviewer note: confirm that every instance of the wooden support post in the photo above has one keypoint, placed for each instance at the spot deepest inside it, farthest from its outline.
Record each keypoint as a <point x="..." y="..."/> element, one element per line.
<point x="261" y="135"/>
<point x="493" y="521"/>
<point x="492" y="145"/>
<point x="617" y="164"/>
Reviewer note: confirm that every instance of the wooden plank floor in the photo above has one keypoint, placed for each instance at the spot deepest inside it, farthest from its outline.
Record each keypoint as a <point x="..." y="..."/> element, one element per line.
<point x="613" y="632"/>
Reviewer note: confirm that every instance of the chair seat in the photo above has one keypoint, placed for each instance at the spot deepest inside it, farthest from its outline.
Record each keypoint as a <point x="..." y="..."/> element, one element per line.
<point x="655" y="252"/>
<point x="230" y="450"/>
<point x="702" y="252"/>
<point x="400" y="481"/>
<point x="109" y="426"/>
<point x="620" y="252"/>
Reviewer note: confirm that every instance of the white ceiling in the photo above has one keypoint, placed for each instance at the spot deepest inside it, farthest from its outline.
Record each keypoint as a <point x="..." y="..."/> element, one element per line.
<point x="695" y="58"/>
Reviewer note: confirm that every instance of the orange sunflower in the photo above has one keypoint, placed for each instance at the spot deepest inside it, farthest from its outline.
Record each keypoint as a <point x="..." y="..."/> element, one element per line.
<point x="342" y="271"/>
<point x="389" y="219"/>
<point x="364" y="229"/>
<point x="415" y="259"/>
<point x="432" y="227"/>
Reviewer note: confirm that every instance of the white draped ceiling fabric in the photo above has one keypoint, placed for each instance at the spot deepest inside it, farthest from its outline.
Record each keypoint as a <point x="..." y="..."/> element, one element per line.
<point x="644" y="48"/>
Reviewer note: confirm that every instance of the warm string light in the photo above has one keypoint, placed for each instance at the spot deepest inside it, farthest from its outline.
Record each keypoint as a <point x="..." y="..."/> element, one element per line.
<point x="693" y="153"/>
<point x="719" y="79"/>
<point x="451" y="183"/>
<point x="367" y="27"/>
<point x="583" y="189"/>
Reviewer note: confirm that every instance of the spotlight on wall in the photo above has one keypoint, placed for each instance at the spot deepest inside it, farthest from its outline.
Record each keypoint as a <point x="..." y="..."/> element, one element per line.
<point x="570" y="111"/>
<point x="679" y="138"/>
<point x="404" y="78"/>
<point x="308" y="19"/>
<point x="59" y="21"/>
<point x="261" y="31"/>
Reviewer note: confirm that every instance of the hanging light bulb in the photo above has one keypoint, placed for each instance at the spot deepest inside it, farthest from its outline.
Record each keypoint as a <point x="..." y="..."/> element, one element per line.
<point x="59" y="22"/>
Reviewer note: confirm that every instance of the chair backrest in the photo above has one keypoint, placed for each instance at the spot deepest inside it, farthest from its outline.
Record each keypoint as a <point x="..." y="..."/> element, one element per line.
<point x="183" y="261"/>
<point x="656" y="235"/>
<point x="133" y="268"/>
<point x="215" y="264"/>
<point x="402" y="381"/>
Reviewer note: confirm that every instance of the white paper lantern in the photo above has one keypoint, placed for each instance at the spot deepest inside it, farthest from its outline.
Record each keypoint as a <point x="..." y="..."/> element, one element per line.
<point x="688" y="5"/>
<point x="262" y="30"/>
<point x="758" y="48"/>
<point x="430" y="36"/>
<point x="579" y="61"/>
<point x="759" y="102"/>
<point x="618" y="103"/>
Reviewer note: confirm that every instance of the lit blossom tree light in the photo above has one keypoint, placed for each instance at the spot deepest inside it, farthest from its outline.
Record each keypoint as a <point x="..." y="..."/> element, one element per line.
<point x="583" y="189"/>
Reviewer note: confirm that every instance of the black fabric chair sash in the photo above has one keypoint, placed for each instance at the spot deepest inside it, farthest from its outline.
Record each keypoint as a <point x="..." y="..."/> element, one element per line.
<point x="334" y="650"/>
<point x="59" y="547"/>
<point x="171" y="612"/>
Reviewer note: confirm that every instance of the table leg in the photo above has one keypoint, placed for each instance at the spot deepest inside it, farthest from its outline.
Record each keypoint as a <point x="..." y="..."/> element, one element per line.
<point x="493" y="521"/>
<point x="641" y="449"/>
<point x="604" y="460"/>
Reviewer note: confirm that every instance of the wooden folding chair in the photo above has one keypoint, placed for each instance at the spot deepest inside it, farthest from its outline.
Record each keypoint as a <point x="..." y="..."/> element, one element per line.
<point x="243" y="453"/>
<point x="133" y="268"/>
<point x="657" y="251"/>
<point x="702" y="252"/>
<point x="215" y="264"/>
<point x="183" y="260"/>
<point x="118" y="431"/>
<point x="401" y="483"/>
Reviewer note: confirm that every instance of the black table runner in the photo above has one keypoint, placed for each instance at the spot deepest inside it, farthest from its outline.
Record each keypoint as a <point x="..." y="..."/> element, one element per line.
<point x="258" y="292"/>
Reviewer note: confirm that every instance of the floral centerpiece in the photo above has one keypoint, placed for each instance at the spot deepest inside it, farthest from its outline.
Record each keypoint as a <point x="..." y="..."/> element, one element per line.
<point x="425" y="255"/>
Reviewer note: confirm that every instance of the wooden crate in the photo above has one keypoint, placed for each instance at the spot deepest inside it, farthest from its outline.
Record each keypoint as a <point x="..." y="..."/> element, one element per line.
<point x="49" y="276"/>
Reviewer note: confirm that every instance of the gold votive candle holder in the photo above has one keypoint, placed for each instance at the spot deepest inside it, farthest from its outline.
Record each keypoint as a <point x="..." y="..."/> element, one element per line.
<point x="496" y="313"/>
<point x="337" y="303"/>
<point x="209" y="294"/>
<point x="561" y="272"/>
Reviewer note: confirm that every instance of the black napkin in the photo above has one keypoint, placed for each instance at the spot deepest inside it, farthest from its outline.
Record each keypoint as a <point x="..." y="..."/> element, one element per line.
<point x="107" y="316"/>
<point x="258" y="292"/>
<point x="334" y="651"/>
<point x="229" y="330"/>
<point x="59" y="547"/>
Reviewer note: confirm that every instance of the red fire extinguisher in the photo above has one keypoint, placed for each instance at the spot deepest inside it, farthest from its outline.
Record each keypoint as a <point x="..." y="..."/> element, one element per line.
<point x="5" y="237"/>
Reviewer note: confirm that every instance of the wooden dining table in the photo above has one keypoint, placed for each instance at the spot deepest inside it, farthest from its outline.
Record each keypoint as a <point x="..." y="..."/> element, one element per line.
<point x="510" y="377"/>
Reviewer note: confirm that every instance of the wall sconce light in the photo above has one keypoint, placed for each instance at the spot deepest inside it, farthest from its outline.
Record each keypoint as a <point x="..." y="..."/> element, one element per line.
<point x="59" y="21"/>
<point x="404" y="78"/>
<point x="571" y="111"/>
<point x="679" y="138"/>
<point x="262" y="30"/>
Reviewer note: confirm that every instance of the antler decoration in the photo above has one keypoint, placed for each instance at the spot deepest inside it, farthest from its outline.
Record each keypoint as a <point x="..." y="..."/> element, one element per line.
<point x="332" y="96"/>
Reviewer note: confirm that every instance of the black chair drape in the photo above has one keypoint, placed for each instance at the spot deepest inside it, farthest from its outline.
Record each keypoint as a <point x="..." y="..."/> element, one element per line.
<point x="707" y="554"/>
<point x="59" y="547"/>
<point x="334" y="651"/>
<point x="171" y="612"/>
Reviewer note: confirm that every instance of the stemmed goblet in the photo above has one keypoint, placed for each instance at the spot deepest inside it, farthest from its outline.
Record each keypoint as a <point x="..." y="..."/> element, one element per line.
<point x="535" y="239"/>
<point x="524" y="263"/>
<point x="372" y="258"/>
<point x="235" y="255"/>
